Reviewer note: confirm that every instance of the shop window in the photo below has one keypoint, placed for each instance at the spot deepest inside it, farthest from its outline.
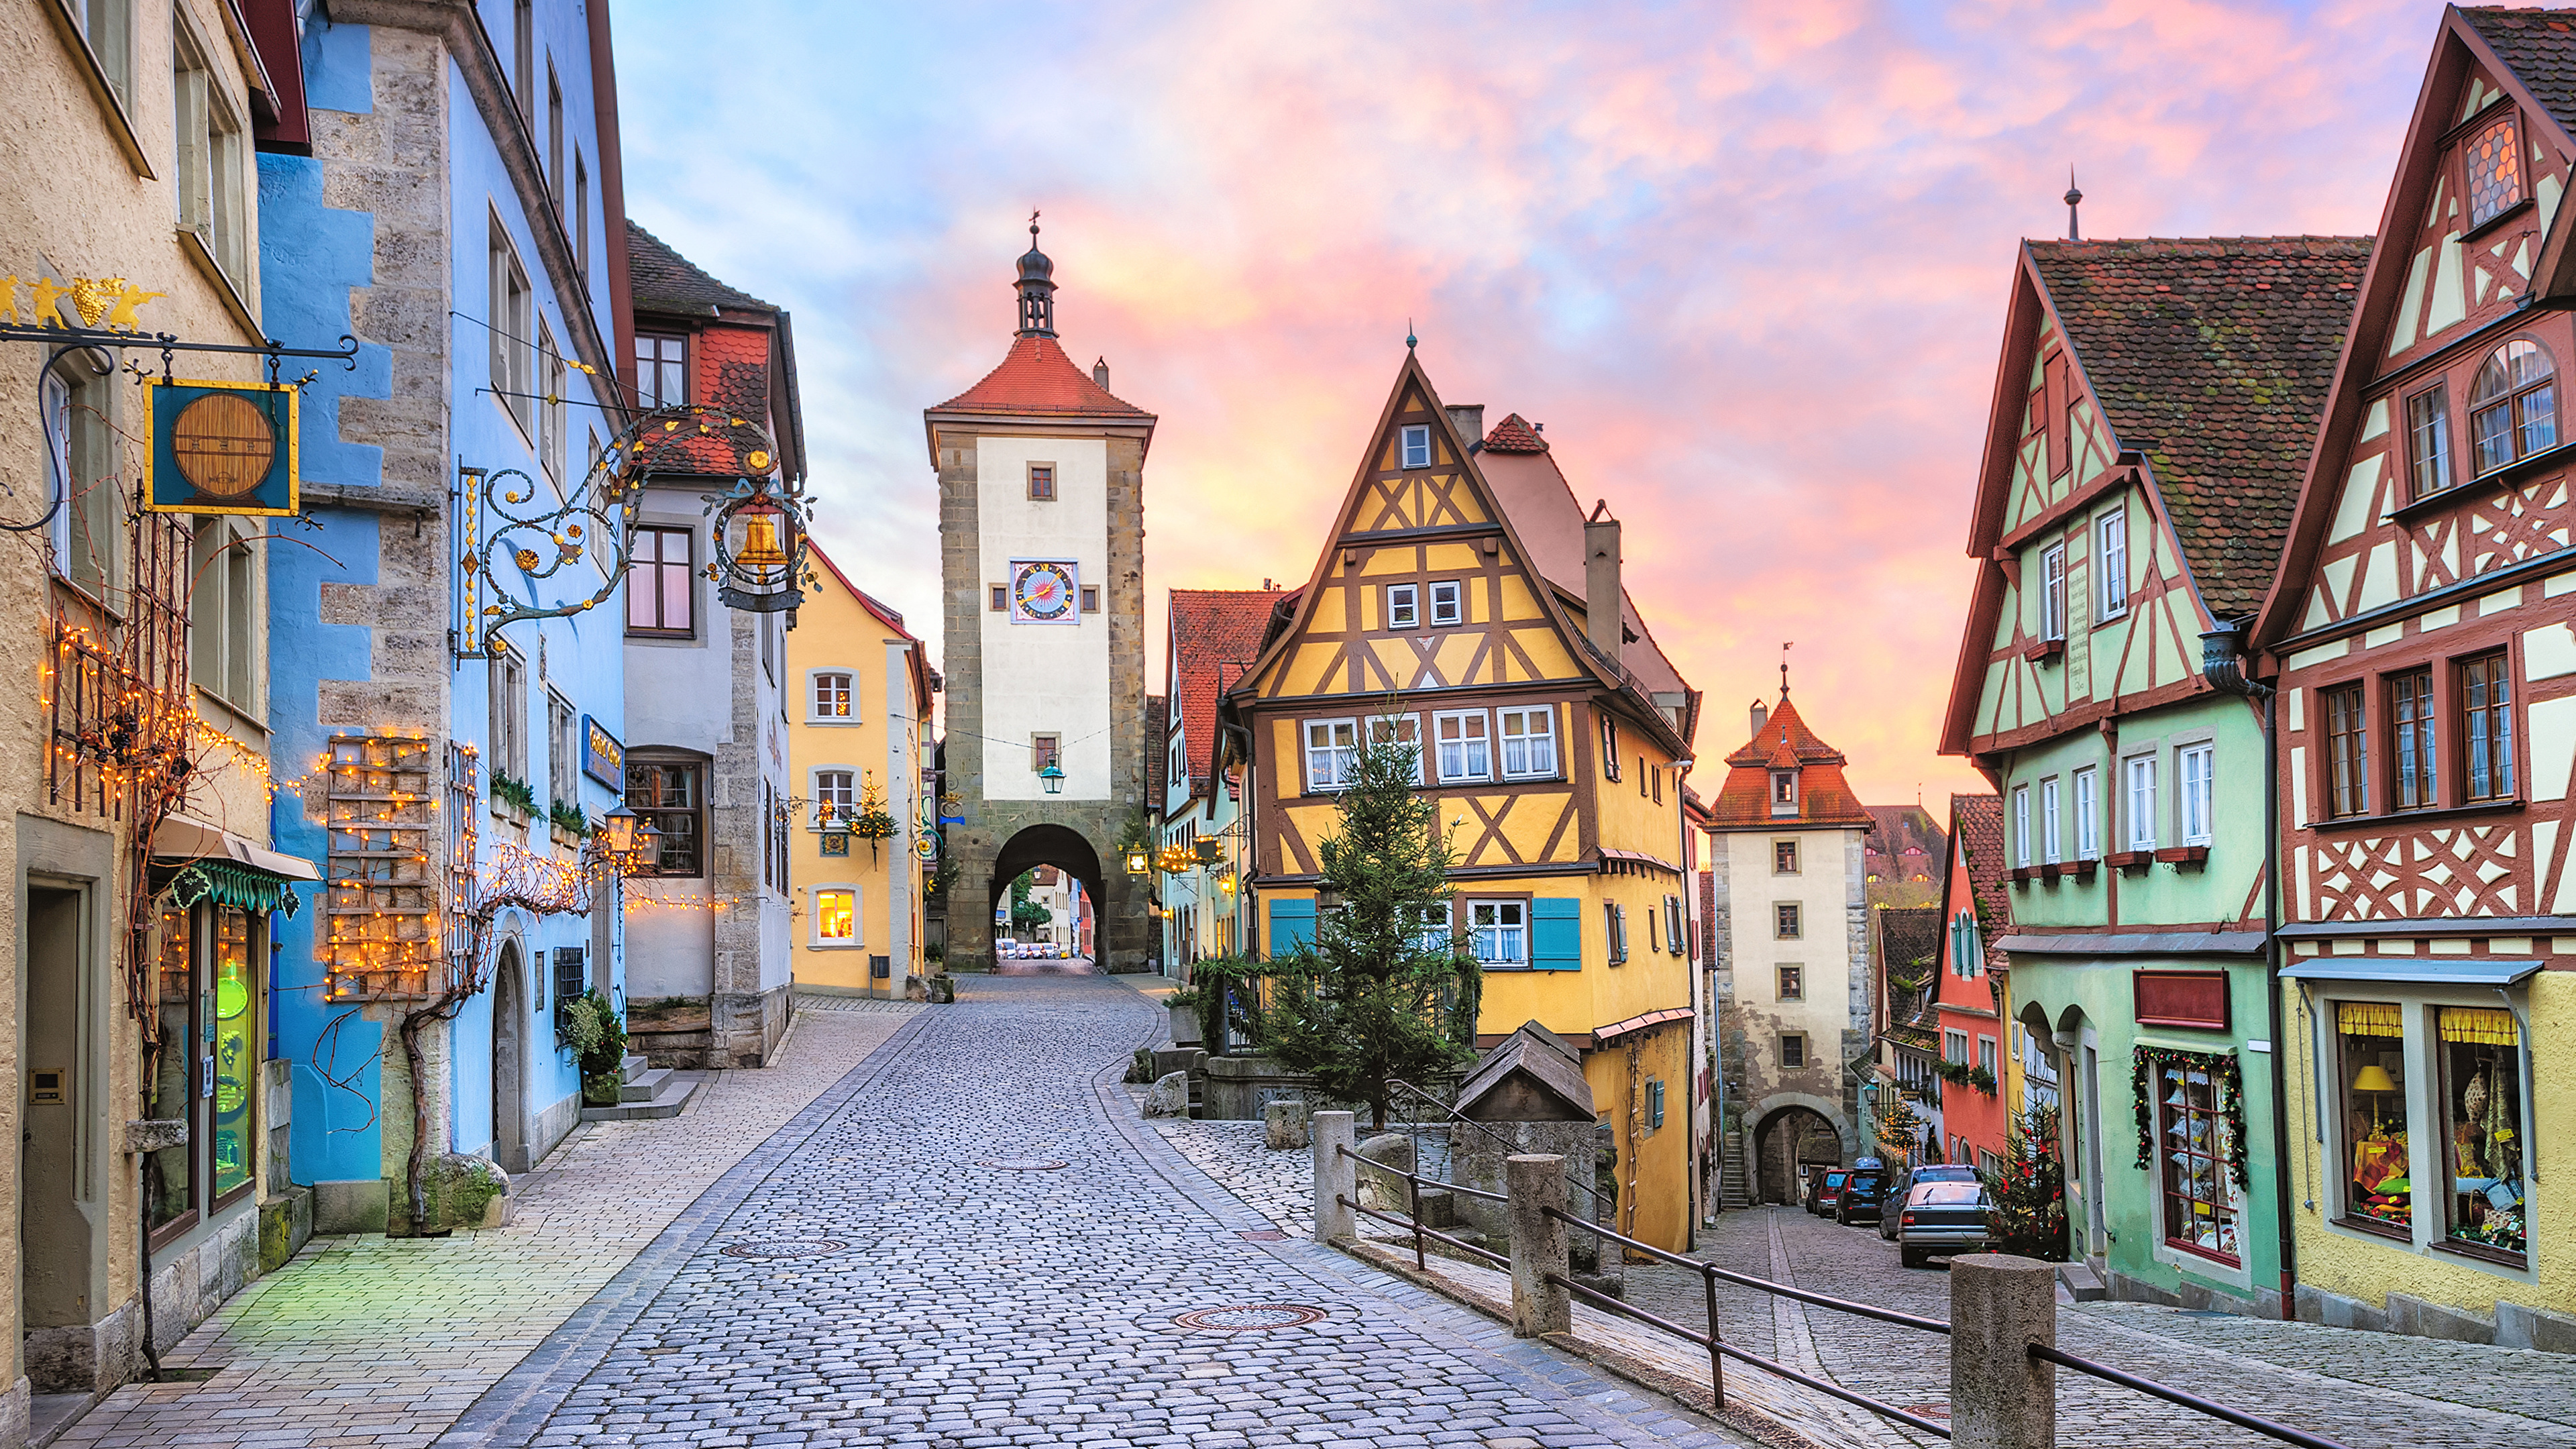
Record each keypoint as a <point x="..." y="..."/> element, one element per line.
<point x="2481" y="1067"/>
<point x="2191" y="1138"/>
<point x="2370" y="1039"/>
<point x="208" y="1065"/>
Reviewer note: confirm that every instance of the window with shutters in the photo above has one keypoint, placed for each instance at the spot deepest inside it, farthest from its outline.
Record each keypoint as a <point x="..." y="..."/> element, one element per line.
<point x="1499" y="932"/>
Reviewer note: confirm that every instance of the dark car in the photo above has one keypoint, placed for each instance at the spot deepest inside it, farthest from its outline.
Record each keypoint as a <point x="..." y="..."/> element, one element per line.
<point x="1903" y="1185"/>
<point x="1944" y="1218"/>
<point x="1863" y="1193"/>
<point x="1811" y="1183"/>
<point x="1831" y="1192"/>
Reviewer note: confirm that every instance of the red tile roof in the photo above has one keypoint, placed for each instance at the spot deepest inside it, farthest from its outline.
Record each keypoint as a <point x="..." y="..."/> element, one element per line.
<point x="1036" y="377"/>
<point x="1977" y="823"/>
<point x="2540" y="47"/>
<point x="1784" y="742"/>
<point x="2212" y="356"/>
<point x="1513" y="435"/>
<point x="665" y="281"/>
<point x="1215" y="632"/>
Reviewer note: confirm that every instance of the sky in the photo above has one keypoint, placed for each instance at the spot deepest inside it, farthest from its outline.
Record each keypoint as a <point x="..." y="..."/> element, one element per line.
<point x="1748" y="263"/>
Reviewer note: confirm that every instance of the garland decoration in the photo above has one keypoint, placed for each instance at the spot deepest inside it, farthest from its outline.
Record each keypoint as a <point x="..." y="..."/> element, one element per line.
<point x="2223" y="1069"/>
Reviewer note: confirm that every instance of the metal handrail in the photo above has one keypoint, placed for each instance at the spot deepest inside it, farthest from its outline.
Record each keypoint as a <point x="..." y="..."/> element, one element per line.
<point x="2193" y="1402"/>
<point x="1413" y="1194"/>
<point x="1714" y="1272"/>
<point x="1456" y="1187"/>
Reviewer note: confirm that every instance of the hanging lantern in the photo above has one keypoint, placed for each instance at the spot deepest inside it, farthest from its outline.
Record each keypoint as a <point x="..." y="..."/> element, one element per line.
<point x="1173" y="860"/>
<point x="1137" y="864"/>
<point x="1207" y="850"/>
<point x="1053" y="776"/>
<point x="1225" y="882"/>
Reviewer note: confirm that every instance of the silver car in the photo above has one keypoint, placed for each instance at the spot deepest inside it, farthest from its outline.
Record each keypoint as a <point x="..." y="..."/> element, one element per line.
<point x="1944" y="1218"/>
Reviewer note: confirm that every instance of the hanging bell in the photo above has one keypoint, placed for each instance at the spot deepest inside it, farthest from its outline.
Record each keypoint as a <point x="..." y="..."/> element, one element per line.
<point x="760" y="546"/>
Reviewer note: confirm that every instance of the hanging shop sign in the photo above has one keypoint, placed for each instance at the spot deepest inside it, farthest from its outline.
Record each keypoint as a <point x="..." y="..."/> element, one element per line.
<point x="222" y="447"/>
<point x="602" y="757"/>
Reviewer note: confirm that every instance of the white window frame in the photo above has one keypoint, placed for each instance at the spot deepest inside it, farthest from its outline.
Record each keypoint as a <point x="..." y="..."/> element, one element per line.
<point x="1615" y="918"/>
<point x="2021" y="827"/>
<point x="1394" y="725"/>
<point x="211" y="190"/>
<point x="551" y="381"/>
<point x="813" y="695"/>
<point x="2052" y="830"/>
<point x="228" y="615"/>
<point x="2111" y="562"/>
<point x="2138" y="795"/>
<point x="1413" y="446"/>
<point x="509" y="322"/>
<point x="1532" y="744"/>
<point x="563" y="751"/>
<point x="1452" y="611"/>
<point x="844" y="795"/>
<point x="857" y="940"/>
<point x="88" y="530"/>
<point x="2195" y="768"/>
<point x="1954" y="1047"/>
<point x="2088" y="814"/>
<point x="1404" y="606"/>
<point x="1988" y="1057"/>
<point x="1475" y="754"/>
<point x="1343" y="756"/>
<point x="1503" y="933"/>
<point x="506" y="699"/>
<point x="2052" y="591"/>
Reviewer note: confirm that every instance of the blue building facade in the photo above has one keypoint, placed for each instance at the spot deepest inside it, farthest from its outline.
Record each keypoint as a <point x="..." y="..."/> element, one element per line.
<point x="455" y="217"/>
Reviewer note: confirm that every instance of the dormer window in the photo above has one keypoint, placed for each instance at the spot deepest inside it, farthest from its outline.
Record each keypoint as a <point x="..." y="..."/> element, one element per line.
<point x="2493" y="159"/>
<point x="1417" y="446"/>
<point x="1784" y="792"/>
<point x="2513" y="409"/>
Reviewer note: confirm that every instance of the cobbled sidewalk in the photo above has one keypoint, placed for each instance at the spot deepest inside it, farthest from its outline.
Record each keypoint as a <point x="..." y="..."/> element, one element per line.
<point x="379" y="1343"/>
<point x="984" y="1246"/>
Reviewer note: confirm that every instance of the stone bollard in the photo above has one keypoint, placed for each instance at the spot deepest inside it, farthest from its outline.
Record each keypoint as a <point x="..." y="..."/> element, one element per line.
<point x="1335" y="1177"/>
<point x="2000" y="1396"/>
<point x="1535" y="1183"/>
<point x="1283" y="1125"/>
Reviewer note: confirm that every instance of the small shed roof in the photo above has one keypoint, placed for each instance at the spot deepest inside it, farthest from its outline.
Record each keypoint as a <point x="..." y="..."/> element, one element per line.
<point x="1530" y="1076"/>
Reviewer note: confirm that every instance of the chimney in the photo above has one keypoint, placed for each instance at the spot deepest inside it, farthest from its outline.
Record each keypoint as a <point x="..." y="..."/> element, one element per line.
<point x="1604" y="621"/>
<point x="1100" y="373"/>
<point x="1469" y="420"/>
<point x="1761" y="717"/>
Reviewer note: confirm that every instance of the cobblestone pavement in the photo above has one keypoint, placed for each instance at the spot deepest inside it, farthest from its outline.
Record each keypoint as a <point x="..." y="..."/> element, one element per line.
<point x="381" y="1342"/>
<point x="981" y="1245"/>
<point x="2365" y="1389"/>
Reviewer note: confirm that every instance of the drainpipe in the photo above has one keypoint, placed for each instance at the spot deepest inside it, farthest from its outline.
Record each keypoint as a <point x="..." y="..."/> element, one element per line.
<point x="2222" y="663"/>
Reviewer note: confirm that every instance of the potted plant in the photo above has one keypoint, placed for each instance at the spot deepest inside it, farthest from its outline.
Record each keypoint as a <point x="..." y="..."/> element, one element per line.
<point x="512" y="799"/>
<point x="566" y="823"/>
<point x="872" y="822"/>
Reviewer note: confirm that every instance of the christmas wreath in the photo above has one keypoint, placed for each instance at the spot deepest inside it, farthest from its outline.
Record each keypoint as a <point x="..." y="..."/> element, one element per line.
<point x="2144" y="1062"/>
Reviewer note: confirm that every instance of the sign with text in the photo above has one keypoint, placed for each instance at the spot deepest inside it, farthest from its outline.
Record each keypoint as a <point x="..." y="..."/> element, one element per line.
<point x="602" y="757"/>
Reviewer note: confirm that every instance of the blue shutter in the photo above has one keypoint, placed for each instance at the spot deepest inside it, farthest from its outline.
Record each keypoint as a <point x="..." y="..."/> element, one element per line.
<point x="1556" y="934"/>
<point x="1292" y="926"/>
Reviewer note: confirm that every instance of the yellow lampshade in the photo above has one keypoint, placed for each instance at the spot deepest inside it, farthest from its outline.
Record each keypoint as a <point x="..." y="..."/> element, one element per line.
<point x="2373" y="1078"/>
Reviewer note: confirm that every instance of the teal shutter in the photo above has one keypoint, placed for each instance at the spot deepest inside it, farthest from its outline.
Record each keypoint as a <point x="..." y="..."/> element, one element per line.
<point x="1556" y="934"/>
<point x="1292" y="926"/>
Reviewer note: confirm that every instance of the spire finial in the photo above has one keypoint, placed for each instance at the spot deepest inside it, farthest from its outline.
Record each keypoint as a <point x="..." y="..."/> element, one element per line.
<point x="2074" y="199"/>
<point x="1410" y="341"/>
<point x="1036" y="287"/>
<point x="1033" y="217"/>
<point x="1784" y="668"/>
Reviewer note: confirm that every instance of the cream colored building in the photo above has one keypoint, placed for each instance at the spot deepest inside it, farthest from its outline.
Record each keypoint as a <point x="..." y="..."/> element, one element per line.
<point x="859" y="727"/>
<point x="128" y="202"/>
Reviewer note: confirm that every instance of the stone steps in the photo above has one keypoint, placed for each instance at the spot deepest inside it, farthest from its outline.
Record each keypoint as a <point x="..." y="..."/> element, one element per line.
<point x="648" y="1091"/>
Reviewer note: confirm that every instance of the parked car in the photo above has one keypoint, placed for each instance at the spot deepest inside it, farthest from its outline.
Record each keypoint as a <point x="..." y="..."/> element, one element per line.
<point x="1828" y="1195"/>
<point x="1944" y="1218"/>
<point x="1863" y="1193"/>
<point x="1811" y="1183"/>
<point x="1903" y="1184"/>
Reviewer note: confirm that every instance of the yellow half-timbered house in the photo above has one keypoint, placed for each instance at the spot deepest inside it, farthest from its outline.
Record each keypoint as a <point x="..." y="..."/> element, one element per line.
<point x="1465" y="601"/>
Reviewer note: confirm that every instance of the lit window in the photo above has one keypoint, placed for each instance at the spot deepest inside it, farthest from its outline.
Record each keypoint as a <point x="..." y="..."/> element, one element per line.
<point x="2513" y="408"/>
<point x="1446" y="602"/>
<point x="1784" y="792"/>
<point x="669" y="796"/>
<point x="1529" y="743"/>
<point x="1417" y="446"/>
<point x="1403" y="607"/>
<point x="2494" y="164"/>
<point x="836" y="917"/>
<point x="2192" y="1140"/>
<point x="2480" y="1060"/>
<point x="832" y="696"/>
<point x="835" y="798"/>
<point x="2111" y="561"/>
<point x="1465" y="751"/>
<point x="2379" y="1186"/>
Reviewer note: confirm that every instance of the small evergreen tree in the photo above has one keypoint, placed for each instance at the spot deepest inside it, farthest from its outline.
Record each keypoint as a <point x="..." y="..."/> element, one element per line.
<point x="1027" y="915"/>
<point x="1386" y="991"/>
<point x="2030" y="1195"/>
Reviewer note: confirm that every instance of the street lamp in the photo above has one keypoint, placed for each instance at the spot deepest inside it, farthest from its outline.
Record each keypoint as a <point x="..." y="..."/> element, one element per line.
<point x="630" y="840"/>
<point x="1053" y="776"/>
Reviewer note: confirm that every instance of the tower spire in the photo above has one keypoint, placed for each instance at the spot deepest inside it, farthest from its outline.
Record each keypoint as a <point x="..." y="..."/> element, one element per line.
<point x="2074" y="199"/>
<point x="1037" y="288"/>
<point x="1784" y="668"/>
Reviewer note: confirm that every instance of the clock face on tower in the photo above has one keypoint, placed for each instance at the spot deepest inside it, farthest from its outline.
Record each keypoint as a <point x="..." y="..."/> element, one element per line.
<point x="1043" y="591"/>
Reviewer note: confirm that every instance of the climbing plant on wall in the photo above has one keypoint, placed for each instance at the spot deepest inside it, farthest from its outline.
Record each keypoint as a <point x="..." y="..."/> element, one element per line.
<point x="2144" y="1065"/>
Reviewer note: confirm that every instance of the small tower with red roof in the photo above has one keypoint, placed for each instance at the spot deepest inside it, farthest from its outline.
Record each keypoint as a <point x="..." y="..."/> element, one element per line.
<point x="1787" y="891"/>
<point x="1042" y="540"/>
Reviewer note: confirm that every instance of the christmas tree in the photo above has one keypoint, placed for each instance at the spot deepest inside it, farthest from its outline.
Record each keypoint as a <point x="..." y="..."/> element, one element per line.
<point x="2030" y="1195"/>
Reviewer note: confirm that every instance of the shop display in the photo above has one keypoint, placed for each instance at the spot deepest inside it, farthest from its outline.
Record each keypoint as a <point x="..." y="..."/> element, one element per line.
<point x="2371" y="1037"/>
<point x="2481" y="1060"/>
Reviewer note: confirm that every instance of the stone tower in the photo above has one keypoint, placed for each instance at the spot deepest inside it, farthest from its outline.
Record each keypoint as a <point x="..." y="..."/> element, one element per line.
<point x="1042" y="543"/>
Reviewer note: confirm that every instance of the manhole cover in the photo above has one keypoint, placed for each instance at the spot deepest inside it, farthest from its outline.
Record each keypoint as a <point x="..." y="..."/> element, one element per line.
<point x="1263" y="1235"/>
<point x="1023" y="1164"/>
<point x="784" y="1248"/>
<point x="1247" y="1318"/>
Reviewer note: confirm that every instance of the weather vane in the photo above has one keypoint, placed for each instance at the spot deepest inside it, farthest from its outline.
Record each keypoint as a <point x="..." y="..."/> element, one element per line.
<point x="1784" y="668"/>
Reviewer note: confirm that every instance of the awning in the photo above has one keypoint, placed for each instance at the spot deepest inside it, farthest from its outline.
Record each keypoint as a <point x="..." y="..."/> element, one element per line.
<point x="1602" y="1034"/>
<point x="2411" y="970"/>
<point x="2138" y="943"/>
<point x="180" y="840"/>
<point x="1610" y="856"/>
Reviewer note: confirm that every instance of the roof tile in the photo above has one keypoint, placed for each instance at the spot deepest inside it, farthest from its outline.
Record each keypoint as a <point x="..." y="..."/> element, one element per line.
<point x="1514" y="435"/>
<point x="1036" y="377"/>
<point x="1211" y="630"/>
<point x="663" y="279"/>
<point x="2540" y="46"/>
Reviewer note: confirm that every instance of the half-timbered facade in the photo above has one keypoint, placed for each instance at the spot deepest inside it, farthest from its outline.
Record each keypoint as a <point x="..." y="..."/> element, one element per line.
<point x="1211" y="640"/>
<point x="1465" y="601"/>
<point x="2426" y="665"/>
<point x="2152" y="418"/>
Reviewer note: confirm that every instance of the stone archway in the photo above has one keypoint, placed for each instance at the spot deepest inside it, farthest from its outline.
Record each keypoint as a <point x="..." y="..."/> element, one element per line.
<point x="1784" y="1142"/>
<point x="1056" y="845"/>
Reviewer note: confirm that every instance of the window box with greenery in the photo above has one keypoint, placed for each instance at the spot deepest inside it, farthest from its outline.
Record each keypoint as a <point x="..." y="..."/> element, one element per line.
<point x="513" y="799"/>
<point x="567" y="824"/>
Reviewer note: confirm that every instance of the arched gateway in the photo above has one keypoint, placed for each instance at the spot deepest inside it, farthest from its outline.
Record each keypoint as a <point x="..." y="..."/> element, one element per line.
<point x="1042" y="539"/>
